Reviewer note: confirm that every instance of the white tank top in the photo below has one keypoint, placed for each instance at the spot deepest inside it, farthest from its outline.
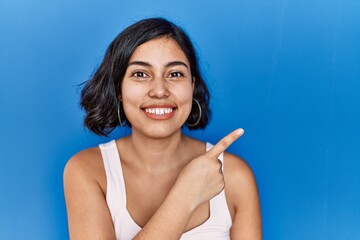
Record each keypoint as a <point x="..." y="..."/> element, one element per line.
<point x="216" y="227"/>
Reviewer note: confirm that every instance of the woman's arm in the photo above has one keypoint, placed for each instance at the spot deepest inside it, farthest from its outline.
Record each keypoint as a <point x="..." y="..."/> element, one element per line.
<point x="243" y="200"/>
<point x="88" y="215"/>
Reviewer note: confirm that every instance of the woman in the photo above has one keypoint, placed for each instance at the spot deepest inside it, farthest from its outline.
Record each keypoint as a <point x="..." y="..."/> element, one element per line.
<point x="156" y="183"/>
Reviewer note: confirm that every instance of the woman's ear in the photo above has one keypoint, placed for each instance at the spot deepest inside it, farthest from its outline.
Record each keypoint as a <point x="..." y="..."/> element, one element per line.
<point x="193" y="83"/>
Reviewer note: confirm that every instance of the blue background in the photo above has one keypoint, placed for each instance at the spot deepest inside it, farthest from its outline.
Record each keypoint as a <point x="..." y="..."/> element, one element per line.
<point x="288" y="72"/>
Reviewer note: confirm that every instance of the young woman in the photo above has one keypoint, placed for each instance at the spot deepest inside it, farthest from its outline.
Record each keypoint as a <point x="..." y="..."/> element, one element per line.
<point x="156" y="183"/>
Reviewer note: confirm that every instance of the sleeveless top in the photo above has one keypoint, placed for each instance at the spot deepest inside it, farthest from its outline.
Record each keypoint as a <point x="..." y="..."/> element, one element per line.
<point x="216" y="227"/>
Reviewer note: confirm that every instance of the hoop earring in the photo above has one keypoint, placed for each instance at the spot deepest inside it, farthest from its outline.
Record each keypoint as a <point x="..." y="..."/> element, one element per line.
<point x="118" y="112"/>
<point x="198" y="120"/>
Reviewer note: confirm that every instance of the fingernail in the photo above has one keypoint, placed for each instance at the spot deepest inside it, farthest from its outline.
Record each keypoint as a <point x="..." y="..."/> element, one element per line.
<point x="240" y="131"/>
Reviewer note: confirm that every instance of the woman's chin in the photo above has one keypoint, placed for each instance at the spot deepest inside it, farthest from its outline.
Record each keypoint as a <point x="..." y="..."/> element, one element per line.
<point x="157" y="131"/>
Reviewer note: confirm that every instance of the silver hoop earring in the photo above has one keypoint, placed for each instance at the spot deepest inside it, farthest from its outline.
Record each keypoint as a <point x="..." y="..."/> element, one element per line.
<point x="198" y="120"/>
<point x="118" y="112"/>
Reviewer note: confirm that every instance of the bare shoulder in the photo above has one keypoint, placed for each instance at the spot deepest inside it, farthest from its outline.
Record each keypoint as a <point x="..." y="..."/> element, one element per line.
<point x="85" y="165"/>
<point x="242" y="198"/>
<point x="236" y="169"/>
<point x="240" y="183"/>
<point x="84" y="189"/>
<point x="83" y="161"/>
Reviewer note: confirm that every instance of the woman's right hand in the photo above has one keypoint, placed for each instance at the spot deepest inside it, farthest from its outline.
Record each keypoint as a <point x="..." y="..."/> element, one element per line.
<point x="202" y="178"/>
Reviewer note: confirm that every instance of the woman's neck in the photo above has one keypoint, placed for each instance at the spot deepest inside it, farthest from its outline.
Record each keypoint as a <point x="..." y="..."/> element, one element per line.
<point x="158" y="154"/>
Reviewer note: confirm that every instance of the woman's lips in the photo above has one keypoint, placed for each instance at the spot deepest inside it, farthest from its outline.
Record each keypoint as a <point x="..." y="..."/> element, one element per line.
<point x="159" y="112"/>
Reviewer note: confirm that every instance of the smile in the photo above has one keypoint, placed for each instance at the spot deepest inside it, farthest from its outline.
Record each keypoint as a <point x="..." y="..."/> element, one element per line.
<point x="158" y="111"/>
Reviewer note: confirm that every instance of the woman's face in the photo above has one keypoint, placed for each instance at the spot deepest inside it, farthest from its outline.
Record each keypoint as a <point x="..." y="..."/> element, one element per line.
<point x="157" y="88"/>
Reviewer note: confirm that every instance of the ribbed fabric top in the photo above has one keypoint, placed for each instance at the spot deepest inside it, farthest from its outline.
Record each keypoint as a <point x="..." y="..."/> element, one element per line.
<point x="216" y="227"/>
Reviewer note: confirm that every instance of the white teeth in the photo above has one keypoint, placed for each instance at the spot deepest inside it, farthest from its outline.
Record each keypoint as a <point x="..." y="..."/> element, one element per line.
<point x="158" y="111"/>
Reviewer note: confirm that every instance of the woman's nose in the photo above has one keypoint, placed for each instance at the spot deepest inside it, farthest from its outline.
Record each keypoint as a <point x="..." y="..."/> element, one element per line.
<point x="159" y="89"/>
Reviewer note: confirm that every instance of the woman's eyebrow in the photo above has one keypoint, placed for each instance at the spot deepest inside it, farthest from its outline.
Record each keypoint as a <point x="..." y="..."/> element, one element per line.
<point x="141" y="63"/>
<point x="176" y="63"/>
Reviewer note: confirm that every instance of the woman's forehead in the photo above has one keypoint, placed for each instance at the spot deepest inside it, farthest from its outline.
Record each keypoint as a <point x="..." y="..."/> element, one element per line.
<point x="159" y="50"/>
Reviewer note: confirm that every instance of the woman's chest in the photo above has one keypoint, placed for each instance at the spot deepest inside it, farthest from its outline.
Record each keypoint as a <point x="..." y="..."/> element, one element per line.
<point x="146" y="192"/>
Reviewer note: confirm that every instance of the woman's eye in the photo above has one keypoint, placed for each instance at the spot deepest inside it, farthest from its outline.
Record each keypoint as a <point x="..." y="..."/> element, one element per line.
<point x="176" y="75"/>
<point x="139" y="74"/>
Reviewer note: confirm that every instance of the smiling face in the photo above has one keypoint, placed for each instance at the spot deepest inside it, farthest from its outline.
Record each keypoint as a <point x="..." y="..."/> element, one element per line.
<point x="157" y="88"/>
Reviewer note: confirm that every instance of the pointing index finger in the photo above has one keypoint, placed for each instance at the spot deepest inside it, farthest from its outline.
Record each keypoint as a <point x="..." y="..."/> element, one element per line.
<point x="225" y="142"/>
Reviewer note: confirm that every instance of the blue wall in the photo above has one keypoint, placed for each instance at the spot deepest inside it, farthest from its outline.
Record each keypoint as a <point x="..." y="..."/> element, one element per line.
<point x="288" y="72"/>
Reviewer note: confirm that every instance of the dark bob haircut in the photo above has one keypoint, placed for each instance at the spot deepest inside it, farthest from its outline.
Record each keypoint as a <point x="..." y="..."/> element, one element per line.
<point x="100" y="95"/>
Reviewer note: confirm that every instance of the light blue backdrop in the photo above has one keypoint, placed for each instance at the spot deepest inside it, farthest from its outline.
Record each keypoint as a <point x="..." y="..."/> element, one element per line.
<point x="288" y="72"/>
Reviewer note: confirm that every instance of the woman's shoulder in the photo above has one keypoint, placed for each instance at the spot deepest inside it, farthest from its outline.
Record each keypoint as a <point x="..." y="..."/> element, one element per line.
<point x="238" y="173"/>
<point x="236" y="167"/>
<point x="240" y="183"/>
<point x="86" y="165"/>
<point x="85" y="159"/>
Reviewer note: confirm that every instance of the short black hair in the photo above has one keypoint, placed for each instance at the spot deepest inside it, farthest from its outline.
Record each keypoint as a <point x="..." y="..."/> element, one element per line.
<point x="100" y="95"/>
